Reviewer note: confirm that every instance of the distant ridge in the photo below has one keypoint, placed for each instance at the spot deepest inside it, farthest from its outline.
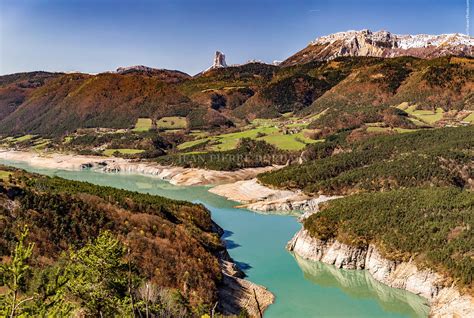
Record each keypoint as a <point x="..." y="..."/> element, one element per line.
<point x="353" y="88"/>
<point x="383" y="44"/>
<point x="151" y="71"/>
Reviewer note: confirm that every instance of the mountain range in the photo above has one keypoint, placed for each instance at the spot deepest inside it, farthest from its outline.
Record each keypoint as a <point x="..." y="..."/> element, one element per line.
<point x="383" y="44"/>
<point x="353" y="76"/>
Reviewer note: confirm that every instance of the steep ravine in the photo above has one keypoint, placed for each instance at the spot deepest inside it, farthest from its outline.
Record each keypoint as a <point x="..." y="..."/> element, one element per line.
<point x="445" y="301"/>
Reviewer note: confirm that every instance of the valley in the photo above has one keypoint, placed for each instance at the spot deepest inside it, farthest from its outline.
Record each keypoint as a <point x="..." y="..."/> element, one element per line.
<point x="356" y="153"/>
<point x="322" y="291"/>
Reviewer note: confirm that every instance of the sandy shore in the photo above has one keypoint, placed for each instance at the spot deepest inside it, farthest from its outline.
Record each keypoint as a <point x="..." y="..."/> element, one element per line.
<point x="175" y="175"/>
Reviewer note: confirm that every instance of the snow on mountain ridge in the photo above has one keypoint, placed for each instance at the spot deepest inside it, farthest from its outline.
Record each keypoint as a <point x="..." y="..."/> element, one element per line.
<point x="425" y="40"/>
<point x="396" y="40"/>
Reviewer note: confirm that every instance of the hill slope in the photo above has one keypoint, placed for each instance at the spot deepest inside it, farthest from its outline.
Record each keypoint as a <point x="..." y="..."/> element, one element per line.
<point x="173" y="246"/>
<point x="440" y="157"/>
<point x="346" y="75"/>
<point x="106" y="100"/>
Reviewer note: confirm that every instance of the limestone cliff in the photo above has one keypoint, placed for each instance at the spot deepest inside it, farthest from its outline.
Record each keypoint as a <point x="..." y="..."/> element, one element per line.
<point x="445" y="301"/>
<point x="383" y="44"/>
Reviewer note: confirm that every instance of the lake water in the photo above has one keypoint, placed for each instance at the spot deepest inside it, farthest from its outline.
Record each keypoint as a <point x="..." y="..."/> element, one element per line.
<point x="257" y="243"/>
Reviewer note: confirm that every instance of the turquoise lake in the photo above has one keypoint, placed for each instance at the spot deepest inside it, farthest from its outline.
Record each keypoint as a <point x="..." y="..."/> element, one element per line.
<point x="257" y="243"/>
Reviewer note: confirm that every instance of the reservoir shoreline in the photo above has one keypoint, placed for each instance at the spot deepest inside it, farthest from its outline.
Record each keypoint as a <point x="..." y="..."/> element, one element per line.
<point x="445" y="300"/>
<point x="69" y="162"/>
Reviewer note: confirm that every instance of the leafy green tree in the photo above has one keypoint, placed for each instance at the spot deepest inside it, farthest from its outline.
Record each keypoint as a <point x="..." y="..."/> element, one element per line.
<point x="99" y="278"/>
<point x="13" y="275"/>
<point x="49" y="287"/>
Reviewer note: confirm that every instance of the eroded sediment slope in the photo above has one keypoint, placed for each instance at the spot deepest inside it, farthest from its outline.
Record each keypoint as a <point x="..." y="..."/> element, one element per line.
<point x="445" y="301"/>
<point x="257" y="197"/>
<point x="175" y="175"/>
<point x="240" y="186"/>
<point x="237" y="293"/>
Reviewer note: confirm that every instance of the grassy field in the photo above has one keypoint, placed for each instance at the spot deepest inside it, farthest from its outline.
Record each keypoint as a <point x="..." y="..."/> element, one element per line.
<point x="289" y="142"/>
<point x="23" y="138"/>
<point x="17" y="139"/>
<point x="192" y="143"/>
<point x="4" y="175"/>
<point x="262" y="122"/>
<point x="14" y="140"/>
<point x="387" y="129"/>
<point x="417" y="122"/>
<point x="124" y="151"/>
<point x="143" y="124"/>
<point x="427" y="116"/>
<point x="469" y="118"/>
<point x="230" y="141"/>
<point x="198" y="133"/>
<point x="266" y="132"/>
<point x="68" y="139"/>
<point x="41" y="143"/>
<point x="270" y="130"/>
<point x="172" y="123"/>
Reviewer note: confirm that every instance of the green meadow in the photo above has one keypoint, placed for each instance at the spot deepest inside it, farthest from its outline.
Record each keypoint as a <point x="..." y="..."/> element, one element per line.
<point x="4" y="174"/>
<point x="389" y="129"/>
<point x="123" y="151"/>
<point x="270" y="130"/>
<point x="172" y="123"/>
<point x="426" y="116"/>
<point x="143" y="124"/>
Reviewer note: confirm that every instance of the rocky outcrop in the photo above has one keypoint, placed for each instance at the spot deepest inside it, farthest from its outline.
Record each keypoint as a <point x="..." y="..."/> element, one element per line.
<point x="361" y="284"/>
<point x="383" y="44"/>
<point x="445" y="301"/>
<point x="185" y="176"/>
<point x="219" y="60"/>
<point x="237" y="294"/>
<point x="259" y="198"/>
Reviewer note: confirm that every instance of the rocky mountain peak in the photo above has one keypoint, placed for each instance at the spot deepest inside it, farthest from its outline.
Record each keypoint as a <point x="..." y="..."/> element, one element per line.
<point x="387" y="39"/>
<point x="219" y="60"/>
<point x="383" y="44"/>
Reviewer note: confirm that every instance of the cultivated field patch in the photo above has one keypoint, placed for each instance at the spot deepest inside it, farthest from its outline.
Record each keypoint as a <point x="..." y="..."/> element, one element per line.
<point x="143" y="124"/>
<point x="123" y="151"/>
<point x="172" y="123"/>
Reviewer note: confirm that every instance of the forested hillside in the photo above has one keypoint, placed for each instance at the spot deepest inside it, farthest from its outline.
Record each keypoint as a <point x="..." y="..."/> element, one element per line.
<point x="98" y="251"/>
<point x="433" y="226"/>
<point x="409" y="194"/>
<point x="441" y="157"/>
<point x="351" y="91"/>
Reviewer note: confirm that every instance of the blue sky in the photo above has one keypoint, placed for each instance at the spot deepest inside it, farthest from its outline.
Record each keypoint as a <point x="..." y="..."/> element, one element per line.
<point x="101" y="35"/>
